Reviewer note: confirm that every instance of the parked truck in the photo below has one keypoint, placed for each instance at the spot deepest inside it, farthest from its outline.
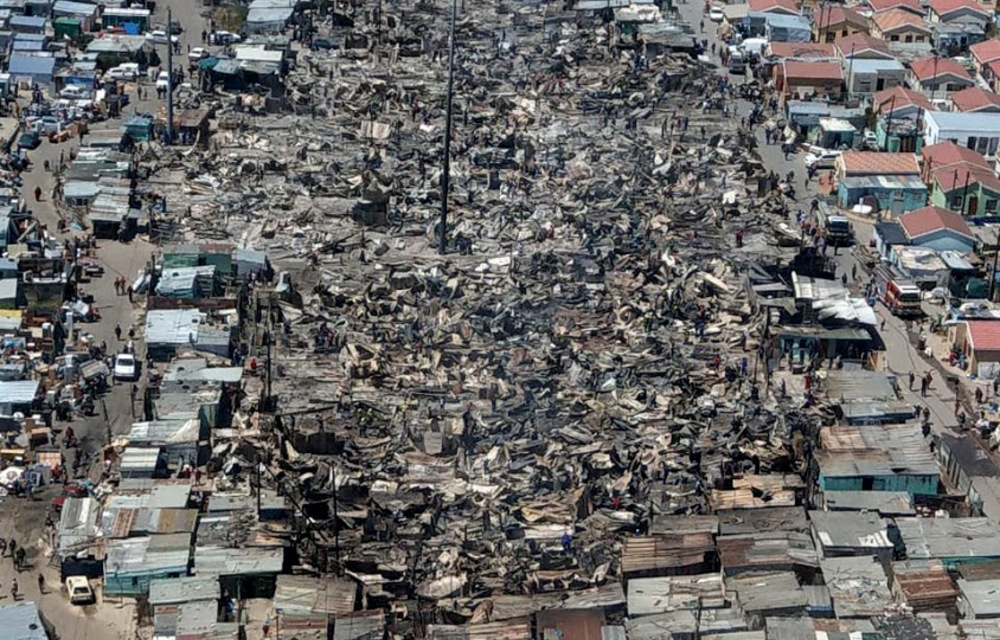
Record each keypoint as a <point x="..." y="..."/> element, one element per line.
<point x="838" y="229"/>
<point x="902" y="299"/>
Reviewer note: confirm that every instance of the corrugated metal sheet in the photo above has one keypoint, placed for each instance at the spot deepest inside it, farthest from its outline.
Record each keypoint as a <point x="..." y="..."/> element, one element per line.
<point x="172" y="327"/>
<point x="363" y="625"/>
<point x="584" y="624"/>
<point x="231" y="562"/>
<point x="653" y="553"/>
<point x="178" y="590"/>
<point x="510" y="630"/>
<point x="307" y="596"/>
<point x="773" y="551"/>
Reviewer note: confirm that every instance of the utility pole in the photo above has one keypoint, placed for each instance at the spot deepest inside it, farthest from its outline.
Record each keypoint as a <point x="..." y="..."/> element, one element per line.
<point x="993" y="274"/>
<point x="446" y="170"/>
<point x="888" y="123"/>
<point x="170" y="81"/>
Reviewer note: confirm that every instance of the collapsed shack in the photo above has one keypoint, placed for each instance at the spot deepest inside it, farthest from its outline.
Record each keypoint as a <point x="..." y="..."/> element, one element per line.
<point x="522" y="417"/>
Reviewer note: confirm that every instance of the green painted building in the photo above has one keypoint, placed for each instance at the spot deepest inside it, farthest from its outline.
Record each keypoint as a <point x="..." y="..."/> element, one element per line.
<point x="967" y="189"/>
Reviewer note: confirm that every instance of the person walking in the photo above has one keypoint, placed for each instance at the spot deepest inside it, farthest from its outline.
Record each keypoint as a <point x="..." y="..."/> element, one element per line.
<point x="118" y="331"/>
<point x="912" y="377"/>
<point x="41" y="584"/>
<point x="13" y="589"/>
<point x="38" y="194"/>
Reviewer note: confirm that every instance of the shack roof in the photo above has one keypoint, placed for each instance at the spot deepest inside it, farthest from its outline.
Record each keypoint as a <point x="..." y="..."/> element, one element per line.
<point x="31" y="65"/>
<point x="307" y="596"/>
<point x="858" y="586"/>
<point x="873" y="163"/>
<point x="21" y="621"/>
<point x="651" y="553"/>
<point x="950" y="538"/>
<point x="185" y="589"/>
<point x="217" y="561"/>
<point x="980" y="599"/>
<point x="885" y="503"/>
<point x="172" y="326"/>
<point x="850" y="530"/>
<point x="765" y="593"/>
<point x="670" y="593"/>
<point x="771" y="551"/>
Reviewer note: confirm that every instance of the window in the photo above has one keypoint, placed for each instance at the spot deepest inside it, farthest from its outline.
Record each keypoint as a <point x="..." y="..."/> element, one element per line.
<point x="991" y="205"/>
<point x="919" y="39"/>
<point x="994" y="142"/>
<point x="971" y="142"/>
<point x="908" y="39"/>
<point x="844" y="33"/>
<point x="983" y="146"/>
<point x="956" y="202"/>
<point x="893" y="38"/>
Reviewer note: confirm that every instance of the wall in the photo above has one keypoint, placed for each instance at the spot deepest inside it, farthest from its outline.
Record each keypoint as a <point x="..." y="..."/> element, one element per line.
<point x="888" y="198"/>
<point x="914" y="484"/>
<point x="978" y="202"/>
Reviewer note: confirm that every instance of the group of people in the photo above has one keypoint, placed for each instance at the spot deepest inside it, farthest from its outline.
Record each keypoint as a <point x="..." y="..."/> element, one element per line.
<point x="122" y="287"/>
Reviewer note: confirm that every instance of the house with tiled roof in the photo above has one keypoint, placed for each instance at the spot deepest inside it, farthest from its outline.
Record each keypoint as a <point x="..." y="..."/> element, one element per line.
<point x="776" y="51"/>
<point x="937" y="228"/>
<point x="787" y="7"/>
<point x="979" y="341"/>
<point x="938" y="77"/>
<point x="965" y="11"/>
<point x="966" y="188"/>
<point x="946" y="154"/>
<point x="983" y="53"/>
<point x="863" y="46"/>
<point x="900" y="25"/>
<point x="975" y="99"/>
<point x="913" y="6"/>
<point x="837" y="21"/>
<point x="796" y="78"/>
<point x="900" y="102"/>
<point x="888" y="181"/>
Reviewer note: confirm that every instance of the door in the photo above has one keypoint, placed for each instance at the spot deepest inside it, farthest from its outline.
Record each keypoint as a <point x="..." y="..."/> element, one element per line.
<point x="972" y="208"/>
<point x="880" y="84"/>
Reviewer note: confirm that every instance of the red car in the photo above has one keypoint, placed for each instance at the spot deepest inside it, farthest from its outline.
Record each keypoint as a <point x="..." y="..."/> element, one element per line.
<point x="71" y="490"/>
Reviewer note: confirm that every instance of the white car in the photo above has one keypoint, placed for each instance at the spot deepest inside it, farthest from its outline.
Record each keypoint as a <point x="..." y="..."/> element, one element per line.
<point x="224" y="37"/>
<point x="74" y="92"/>
<point x="120" y="73"/>
<point x="198" y="53"/>
<point x="78" y="588"/>
<point x="126" y="368"/>
<point x="715" y="14"/>
<point x="159" y="36"/>
<point x="822" y="160"/>
<point x="163" y="81"/>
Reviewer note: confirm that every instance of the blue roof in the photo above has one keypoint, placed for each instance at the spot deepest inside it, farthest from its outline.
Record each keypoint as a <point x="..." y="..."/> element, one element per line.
<point x="863" y="65"/>
<point x="21" y="621"/>
<point x="37" y="22"/>
<point x="964" y="120"/>
<point x="28" y="45"/>
<point x="78" y="8"/>
<point x="31" y="65"/>
<point x="39" y="37"/>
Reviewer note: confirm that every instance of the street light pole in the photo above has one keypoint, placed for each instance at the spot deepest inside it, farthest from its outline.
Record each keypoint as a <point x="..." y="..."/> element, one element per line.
<point x="446" y="168"/>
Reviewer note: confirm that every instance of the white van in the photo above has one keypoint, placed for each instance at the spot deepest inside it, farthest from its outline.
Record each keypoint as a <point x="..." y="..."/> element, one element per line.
<point x="754" y="46"/>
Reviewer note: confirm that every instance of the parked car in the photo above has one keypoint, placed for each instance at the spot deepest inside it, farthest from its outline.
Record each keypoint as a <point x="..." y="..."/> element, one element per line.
<point x="123" y="73"/>
<point x="715" y="14"/>
<point x="163" y="81"/>
<point x="71" y="490"/>
<point x="822" y="159"/>
<point x="29" y="140"/>
<point x="323" y="44"/>
<point x="78" y="588"/>
<point x="126" y="368"/>
<point x="871" y="140"/>
<point x="75" y="92"/>
<point x="198" y="53"/>
<point x="224" y="38"/>
<point x="159" y="36"/>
